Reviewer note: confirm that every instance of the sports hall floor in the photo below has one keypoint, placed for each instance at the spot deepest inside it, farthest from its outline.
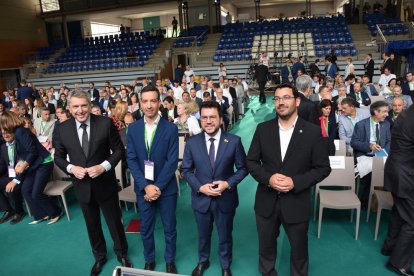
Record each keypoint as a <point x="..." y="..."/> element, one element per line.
<point x="63" y="248"/>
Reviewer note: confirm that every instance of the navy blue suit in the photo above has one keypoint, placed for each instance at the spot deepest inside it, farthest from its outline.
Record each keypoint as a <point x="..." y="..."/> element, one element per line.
<point x="360" y="140"/>
<point x="25" y="92"/>
<point x="220" y="209"/>
<point x="331" y="71"/>
<point x="296" y="67"/>
<point x="406" y="90"/>
<point x="164" y="154"/>
<point x="36" y="176"/>
<point x="366" y="100"/>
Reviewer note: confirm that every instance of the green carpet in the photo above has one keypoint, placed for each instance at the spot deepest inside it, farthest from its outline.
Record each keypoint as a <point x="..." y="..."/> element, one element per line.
<point x="63" y="248"/>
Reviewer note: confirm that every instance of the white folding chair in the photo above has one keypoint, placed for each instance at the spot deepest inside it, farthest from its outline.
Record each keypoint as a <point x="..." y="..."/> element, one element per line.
<point x="377" y="98"/>
<point x="128" y="195"/>
<point x="340" y="147"/>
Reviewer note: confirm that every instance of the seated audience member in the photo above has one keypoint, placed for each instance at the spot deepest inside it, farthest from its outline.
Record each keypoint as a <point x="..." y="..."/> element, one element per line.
<point x="178" y="90"/>
<point x="22" y="110"/>
<point x="33" y="173"/>
<point x="170" y="109"/>
<point x="397" y="93"/>
<point x="386" y="77"/>
<point x="224" y="104"/>
<point x="50" y="106"/>
<point x="350" y="116"/>
<point x="44" y="128"/>
<point x="388" y="90"/>
<point x="11" y="200"/>
<point x="29" y="125"/>
<point x="206" y="96"/>
<point x="29" y="107"/>
<point x="128" y="119"/>
<point x="395" y="111"/>
<point x="118" y="114"/>
<point x="360" y="96"/>
<point x="368" y="87"/>
<point x="62" y="102"/>
<point x="134" y="107"/>
<point x="370" y="136"/>
<point x="193" y="97"/>
<point x="185" y="96"/>
<point x="408" y="87"/>
<point x="37" y="106"/>
<point x="341" y="94"/>
<point x="104" y="102"/>
<point x="187" y="124"/>
<point x="96" y="110"/>
<point x="328" y="123"/>
<point x="2" y="108"/>
<point x="323" y="93"/>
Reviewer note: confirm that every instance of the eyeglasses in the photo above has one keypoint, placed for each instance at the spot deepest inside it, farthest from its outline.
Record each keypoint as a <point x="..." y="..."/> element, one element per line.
<point x="284" y="98"/>
<point x="206" y="118"/>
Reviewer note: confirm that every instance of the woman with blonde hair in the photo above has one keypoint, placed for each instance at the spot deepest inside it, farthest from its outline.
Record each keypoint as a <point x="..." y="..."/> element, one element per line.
<point x="118" y="114"/>
<point x="37" y="106"/>
<point x="186" y="123"/>
<point x="30" y="167"/>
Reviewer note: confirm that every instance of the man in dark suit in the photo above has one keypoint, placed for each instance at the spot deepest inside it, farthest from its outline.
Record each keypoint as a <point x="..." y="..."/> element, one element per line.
<point x="369" y="66"/>
<point x="93" y="92"/>
<point x="330" y="68"/>
<point x="94" y="149"/>
<point x="386" y="63"/>
<point x="299" y="65"/>
<point x="104" y="102"/>
<point x="193" y="97"/>
<point x="314" y="68"/>
<point x="306" y="109"/>
<point x="11" y="200"/>
<point x="261" y="76"/>
<point x="25" y="91"/>
<point x="49" y="106"/>
<point x="214" y="188"/>
<point x="287" y="157"/>
<point x="408" y="87"/>
<point x="398" y="179"/>
<point x="224" y="105"/>
<point x="152" y="156"/>
<point x="359" y="95"/>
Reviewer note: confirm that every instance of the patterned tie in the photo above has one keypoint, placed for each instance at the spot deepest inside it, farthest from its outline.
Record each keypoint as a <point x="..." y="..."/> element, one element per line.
<point x="212" y="152"/>
<point x="85" y="140"/>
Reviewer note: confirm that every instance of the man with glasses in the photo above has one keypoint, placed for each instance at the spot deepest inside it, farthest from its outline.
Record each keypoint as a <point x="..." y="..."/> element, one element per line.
<point x="214" y="186"/>
<point x="287" y="157"/>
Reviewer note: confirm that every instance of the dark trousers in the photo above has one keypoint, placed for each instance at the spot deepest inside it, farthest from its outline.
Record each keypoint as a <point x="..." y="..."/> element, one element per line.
<point x="33" y="186"/>
<point x="113" y="217"/>
<point x="400" y="238"/>
<point x="268" y="230"/>
<point x="262" y="97"/>
<point x="365" y="185"/>
<point x="224" y="225"/>
<point x="174" y="31"/>
<point x="167" y="206"/>
<point x="10" y="202"/>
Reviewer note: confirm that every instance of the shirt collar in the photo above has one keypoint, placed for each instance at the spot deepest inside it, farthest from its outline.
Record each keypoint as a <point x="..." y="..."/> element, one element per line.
<point x="155" y="122"/>
<point x="291" y="127"/>
<point x="216" y="136"/>
<point x="10" y="144"/>
<point x="87" y="122"/>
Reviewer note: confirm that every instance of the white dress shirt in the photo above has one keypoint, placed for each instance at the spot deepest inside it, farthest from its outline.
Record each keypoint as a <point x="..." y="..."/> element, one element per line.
<point x="216" y="142"/>
<point x="150" y="129"/>
<point x="285" y="135"/>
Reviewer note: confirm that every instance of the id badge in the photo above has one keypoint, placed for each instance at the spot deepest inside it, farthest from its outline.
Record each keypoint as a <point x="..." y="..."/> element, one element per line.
<point x="12" y="172"/>
<point x="149" y="170"/>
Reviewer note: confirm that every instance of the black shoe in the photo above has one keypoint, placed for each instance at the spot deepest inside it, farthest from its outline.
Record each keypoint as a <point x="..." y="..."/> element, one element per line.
<point x="6" y="216"/>
<point x="125" y="261"/>
<point x="386" y="252"/>
<point x="400" y="271"/>
<point x="97" y="267"/>
<point x="17" y="218"/>
<point x="199" y="269"/>
<point x="149" y="266"/>
<point x="171" y="268"/>
<point x="226" y="272"/>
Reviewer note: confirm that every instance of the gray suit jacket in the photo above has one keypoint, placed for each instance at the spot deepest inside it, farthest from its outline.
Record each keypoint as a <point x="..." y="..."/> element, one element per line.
<point x="346" y="128"/>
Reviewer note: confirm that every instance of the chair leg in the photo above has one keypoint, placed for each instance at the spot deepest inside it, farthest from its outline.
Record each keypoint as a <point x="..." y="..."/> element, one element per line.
<point x="126" y="206"/>
<point x="320" y="221"/>
<point x="28" y="209"/>
<point x="135" y="207"/>
<point x="315" y="203"/>
<point x="377" y="223"/>
<point x="369" y="204"/>
<point x="65" y="205"/>
<point x="352" y="215"/>
<point x="357" y="222"/>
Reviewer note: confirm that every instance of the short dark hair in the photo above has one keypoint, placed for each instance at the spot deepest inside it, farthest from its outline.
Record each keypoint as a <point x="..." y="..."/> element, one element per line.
<point x="287" y="85"/>
<point x="151" y="88"/>
<point x="324" y="103"/>
<point x="211" y="104"/>
<point x="349" y="101"/>
<point x="376" y="106"/>
<point x="168" y="99"/>
<point x="206" y="94"/>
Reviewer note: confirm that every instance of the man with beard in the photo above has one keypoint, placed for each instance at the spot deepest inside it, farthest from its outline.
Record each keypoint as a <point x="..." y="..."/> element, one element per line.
<point x="287" y="157"/>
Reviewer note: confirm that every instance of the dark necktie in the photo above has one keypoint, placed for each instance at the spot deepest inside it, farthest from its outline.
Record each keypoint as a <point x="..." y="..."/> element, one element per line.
<point x="211" y="152"/>
<point x="377" y="134"/>
<point x="85" y="140"/>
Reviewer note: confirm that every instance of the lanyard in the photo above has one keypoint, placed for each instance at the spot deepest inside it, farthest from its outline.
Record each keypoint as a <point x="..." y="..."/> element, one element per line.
<point x="10" y="152"/>
<point x="42" y="128"/>
<point x="326" y="125"/>
<point x="146" y="141"/>
<point x="373" y="129"/>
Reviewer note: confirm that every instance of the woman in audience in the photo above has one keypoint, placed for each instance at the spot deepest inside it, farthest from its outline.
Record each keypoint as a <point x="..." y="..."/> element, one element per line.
<point x="388" y="90"/>
<point x="338" y="81"/>
<point x="62" y="102"/>
<point x="29" y="106"/>
<point x="37" y="106"/>
<point x="186" y="123"/>
<point x="32" y="170"/>
<point x="29" y="125"/>
<point x="118" y="114"/>
<point x="134" y="107"/>
<point x="222" y="71"/>
<point x="328" y="124"/>
<point x="188" y="72"/>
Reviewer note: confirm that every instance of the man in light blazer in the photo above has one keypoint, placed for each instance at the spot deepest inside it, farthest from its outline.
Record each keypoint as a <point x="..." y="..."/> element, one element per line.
<point x="94" y="148"/>
<point x="152" y="156"/>
<point x="287" y="157"/>
<point x="45" y="126"/>
<point x="208" y="167"/>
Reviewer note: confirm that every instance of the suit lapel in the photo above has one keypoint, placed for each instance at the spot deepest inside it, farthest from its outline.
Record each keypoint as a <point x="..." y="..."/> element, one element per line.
<point x="158" y="134"/>
<point x="92" y="135"/>
<point x="222" y="147"/>
<point x="297" y="134"/>
<point x="75" y="134"/>
<point x="203" y="148"/>
<point x="274" y="135"/>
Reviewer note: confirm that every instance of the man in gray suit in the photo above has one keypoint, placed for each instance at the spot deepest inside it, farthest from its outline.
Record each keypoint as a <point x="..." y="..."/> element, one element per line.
<point x="350" y="116"/>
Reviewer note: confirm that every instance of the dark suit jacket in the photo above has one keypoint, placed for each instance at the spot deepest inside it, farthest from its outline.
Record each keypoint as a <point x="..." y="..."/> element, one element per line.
<point x="306" y="162"/>
<point x="262" y="73"/>
<point x="104" y="138"/>
<point x="387" y="64"/>
<point x="94" y="92"/>
<point x="25" y="92"/>
<point x="51" y="108"/>
<point x="369" y="68"/>
<point x="360" y="140"/>
<point x="62" y="104"/>
<point x="101" y="104"/>
<point x="314" y="69"/>
<point x="406" y="90"/>
<point x="232" y="92"/>
<point x="164" y="154"/>
<point x="4" y="163"/>
<point x="307" y="110"/>
<point x="198" y="171"/>
<point x="366" y="100"/>
<point x="296" y="67"/>
<point x="331" y="71"/>
<point x="399" y="169"/>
